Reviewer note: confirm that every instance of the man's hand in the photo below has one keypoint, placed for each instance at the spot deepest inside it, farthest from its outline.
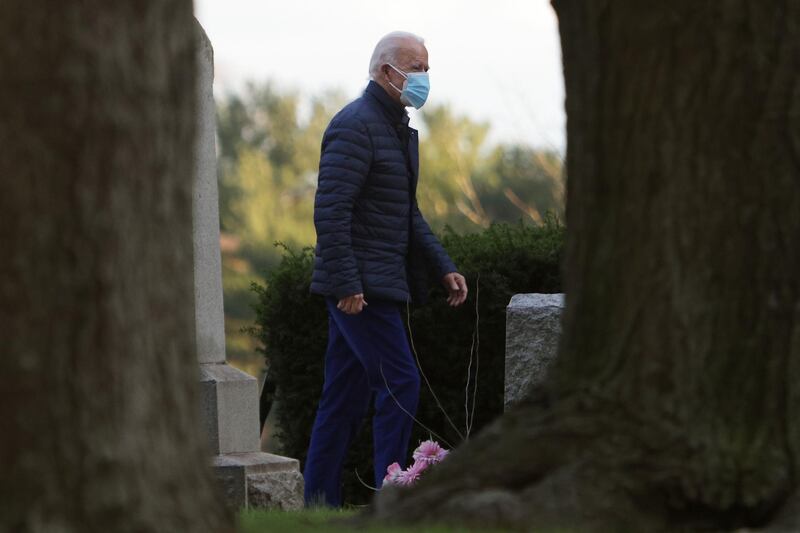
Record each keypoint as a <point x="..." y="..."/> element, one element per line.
<point x="456" y="287"/>
<point x="352" y="305"/>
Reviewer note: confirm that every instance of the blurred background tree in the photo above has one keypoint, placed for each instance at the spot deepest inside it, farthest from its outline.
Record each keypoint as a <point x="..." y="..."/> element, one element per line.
<point x="269" y="141"/>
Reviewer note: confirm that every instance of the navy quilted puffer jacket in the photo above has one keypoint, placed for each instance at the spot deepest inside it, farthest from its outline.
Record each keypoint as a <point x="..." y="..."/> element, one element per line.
<point x="371" y="236"/>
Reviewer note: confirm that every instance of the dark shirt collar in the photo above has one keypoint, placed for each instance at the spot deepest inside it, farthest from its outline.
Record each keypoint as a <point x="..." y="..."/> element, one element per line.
<point x="394" y="111"/>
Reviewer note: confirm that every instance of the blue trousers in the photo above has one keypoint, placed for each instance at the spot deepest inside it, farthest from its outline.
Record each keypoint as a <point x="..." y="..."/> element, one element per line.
<point x="366" y="353"/>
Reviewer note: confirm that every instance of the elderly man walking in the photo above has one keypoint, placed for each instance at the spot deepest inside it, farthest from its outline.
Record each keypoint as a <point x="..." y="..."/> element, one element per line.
<point x="374" y="251"/>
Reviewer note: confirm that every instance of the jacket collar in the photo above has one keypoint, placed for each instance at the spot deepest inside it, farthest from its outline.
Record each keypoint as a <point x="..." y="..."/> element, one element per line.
<point x="395" y="112"/>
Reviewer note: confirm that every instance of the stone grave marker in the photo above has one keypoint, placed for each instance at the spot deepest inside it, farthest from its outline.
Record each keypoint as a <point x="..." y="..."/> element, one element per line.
<point x="229" y="397"/>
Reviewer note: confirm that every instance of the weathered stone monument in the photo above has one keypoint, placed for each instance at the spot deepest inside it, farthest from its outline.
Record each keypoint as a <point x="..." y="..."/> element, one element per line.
<point x="533" y="327"/>
<point x="229" y="397"/>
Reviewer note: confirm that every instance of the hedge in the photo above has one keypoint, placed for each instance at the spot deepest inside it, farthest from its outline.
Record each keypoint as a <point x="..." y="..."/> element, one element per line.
<point x="292" y="325"/>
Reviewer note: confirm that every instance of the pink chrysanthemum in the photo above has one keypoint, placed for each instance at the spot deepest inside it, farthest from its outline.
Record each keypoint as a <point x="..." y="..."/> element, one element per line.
<point x="410" y="476"/>
<point x="430" y="452"/>
<point x="393" y="473"/>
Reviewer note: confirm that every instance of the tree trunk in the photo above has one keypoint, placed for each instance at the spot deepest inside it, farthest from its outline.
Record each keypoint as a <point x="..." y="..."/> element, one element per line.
<point x="98" y="409"/>
<point x="675" y="402"/>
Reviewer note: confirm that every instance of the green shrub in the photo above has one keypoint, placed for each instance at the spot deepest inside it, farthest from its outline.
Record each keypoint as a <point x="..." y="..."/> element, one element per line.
<point x="499" y="262"/>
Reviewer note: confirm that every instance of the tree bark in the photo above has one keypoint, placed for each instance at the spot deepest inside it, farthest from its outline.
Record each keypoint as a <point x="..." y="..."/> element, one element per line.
<point x="675" y="401"/>
<point x="98" y="410"/>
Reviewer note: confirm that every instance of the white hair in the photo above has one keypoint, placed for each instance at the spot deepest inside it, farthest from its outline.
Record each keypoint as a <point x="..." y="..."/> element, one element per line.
<point x="387" y="49"/>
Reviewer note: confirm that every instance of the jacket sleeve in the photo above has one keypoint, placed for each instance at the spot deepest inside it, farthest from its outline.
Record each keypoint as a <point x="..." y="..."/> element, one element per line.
<point x="343" y="168"/>
<point x="433" y="250"/>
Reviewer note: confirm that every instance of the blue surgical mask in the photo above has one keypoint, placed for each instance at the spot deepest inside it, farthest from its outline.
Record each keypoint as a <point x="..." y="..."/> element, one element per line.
<point x="415" y="88"/>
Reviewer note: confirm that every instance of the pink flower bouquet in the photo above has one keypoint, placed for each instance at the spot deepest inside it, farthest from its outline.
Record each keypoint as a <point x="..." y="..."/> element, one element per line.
<point x="427" y="454"/>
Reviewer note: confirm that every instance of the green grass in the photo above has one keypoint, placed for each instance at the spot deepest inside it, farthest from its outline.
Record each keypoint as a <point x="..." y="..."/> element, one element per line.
<point x="327" y="520"/>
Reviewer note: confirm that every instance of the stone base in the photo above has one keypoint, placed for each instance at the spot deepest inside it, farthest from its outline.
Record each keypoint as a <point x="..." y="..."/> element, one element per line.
<point x="229" y="407"/>
<point x="260" y="480"/>
<point x="277" y="490"/>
